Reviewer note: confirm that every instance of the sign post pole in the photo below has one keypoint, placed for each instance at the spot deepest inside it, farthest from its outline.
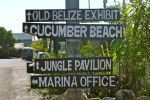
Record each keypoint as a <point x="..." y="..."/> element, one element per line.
<point x="73" y="50"/>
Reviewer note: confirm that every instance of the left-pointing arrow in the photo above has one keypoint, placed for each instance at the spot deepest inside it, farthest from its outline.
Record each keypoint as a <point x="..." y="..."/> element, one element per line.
<point x="34" y="81"/>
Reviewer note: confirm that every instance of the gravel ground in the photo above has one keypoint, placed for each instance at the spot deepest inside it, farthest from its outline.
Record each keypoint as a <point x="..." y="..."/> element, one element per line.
<point x="15" y="81"/>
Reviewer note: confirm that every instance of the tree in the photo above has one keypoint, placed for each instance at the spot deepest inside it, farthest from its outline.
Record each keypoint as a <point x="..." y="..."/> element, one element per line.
<point x="6" y="42"/>
<point x="131" y="54"/>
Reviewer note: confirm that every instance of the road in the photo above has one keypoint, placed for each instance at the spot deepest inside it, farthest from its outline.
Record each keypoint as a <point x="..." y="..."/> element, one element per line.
<point x="15" y="81"/>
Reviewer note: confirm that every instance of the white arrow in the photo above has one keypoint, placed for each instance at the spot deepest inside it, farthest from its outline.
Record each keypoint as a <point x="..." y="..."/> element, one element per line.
<point x="28" y="15"/>
<point x="34" y="81"/>
<point x="25" y="28"/>
<point x="31" y="65"/>
<point x="37" y="65"/>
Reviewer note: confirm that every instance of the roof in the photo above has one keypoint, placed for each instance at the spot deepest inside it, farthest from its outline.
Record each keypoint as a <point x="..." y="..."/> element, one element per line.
<point x="22" y="36"/>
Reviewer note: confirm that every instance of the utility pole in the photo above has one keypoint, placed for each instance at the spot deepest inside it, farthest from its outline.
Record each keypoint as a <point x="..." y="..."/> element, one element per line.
<point x="104" y="1"/>
<point x="140" y="1"/>
<point x="123" y="1"/>
<point x="89" y="4"/>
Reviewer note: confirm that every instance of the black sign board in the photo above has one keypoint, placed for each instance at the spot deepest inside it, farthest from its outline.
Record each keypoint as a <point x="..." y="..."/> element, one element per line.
<point x="30" y="67"/>
<point x="59" y="65"/>
<point x="47" y="15"/>
<point x="73" y="81"/>
<point x="79" y="31"/>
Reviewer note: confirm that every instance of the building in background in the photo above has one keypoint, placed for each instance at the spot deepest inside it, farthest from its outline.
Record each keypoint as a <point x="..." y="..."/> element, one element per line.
<point x="22" y="38"/>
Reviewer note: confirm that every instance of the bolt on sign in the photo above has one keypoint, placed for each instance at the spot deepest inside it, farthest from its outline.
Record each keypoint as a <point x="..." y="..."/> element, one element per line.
<point x="71" y="81"/>
<point x="82" y="31"/>
<point x="48" y="15"/>
<point x="60" y="65"/>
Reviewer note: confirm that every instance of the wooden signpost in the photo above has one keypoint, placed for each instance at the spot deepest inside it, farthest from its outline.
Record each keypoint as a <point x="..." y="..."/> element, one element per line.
<point x="73" y="32"/>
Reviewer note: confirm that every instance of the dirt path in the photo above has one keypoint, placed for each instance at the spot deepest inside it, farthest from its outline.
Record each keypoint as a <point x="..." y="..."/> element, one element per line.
<point x="15" y="81"/>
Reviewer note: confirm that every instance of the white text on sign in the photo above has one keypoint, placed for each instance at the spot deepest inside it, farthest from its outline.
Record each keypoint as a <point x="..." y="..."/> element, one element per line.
<point x="73" y="65"/>
<point x="90" y="31"/>
<point x="72" y="15"/>
<point x="73" y="81"/>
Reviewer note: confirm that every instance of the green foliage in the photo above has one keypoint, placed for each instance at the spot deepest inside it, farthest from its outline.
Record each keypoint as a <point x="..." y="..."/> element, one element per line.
<point x="6" y="42"/>
<point x="41" y="46"/>
<point x="48" y="92"/>
<point x="130" y="55"/>
<point x="38" y="45"/>
<point x="88" y="50"/>
<point x="134" y="49"/>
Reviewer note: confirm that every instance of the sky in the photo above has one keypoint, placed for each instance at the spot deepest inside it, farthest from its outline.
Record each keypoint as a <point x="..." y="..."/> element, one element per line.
<point x="12" y="12"/>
